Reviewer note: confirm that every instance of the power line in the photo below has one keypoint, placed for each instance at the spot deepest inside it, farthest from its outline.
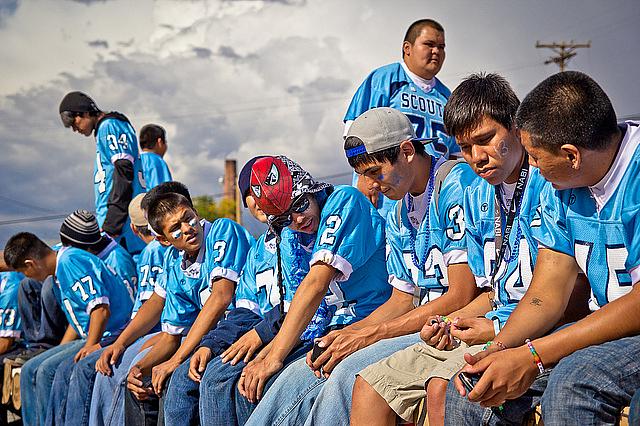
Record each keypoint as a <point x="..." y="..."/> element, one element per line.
<point x="62" y="216"/>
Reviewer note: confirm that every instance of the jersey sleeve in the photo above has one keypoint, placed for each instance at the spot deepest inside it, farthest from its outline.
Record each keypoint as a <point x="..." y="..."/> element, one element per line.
<point x="117" y="141"/>
<point x="399" y="276"/>
<point x="10" y="324"/>
<point x="451" y="215"/>
<point x="179" y="313"/>
<point x="227" y="247"/>
<point x="85" y="287"/>
<point x="347" y="232"/>
<point x="245" y="291"/>
<point x="631" y="224"/>
<point x="475" y="238"/>
<point x="552" y="232"/>
<point x="372" y="93"/>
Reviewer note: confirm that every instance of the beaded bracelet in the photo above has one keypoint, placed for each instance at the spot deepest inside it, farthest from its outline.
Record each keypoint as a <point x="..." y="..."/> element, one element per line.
<point x="486" y="345"/>
<point x="536" y="358"/>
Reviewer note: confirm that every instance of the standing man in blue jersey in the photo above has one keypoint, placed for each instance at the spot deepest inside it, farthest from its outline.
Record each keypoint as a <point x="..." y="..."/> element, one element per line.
<point x="412" y="87"/>
<point x="153" y="142"/>
<point x="118" y="173"/>
<point x="589" y="223"/>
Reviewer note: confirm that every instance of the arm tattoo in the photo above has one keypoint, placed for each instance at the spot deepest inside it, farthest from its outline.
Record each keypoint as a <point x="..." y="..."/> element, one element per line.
<point x="536" y="301"/>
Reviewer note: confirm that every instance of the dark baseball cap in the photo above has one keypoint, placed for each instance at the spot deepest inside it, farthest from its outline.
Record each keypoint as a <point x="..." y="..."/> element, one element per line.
<point x="75" y="103"/>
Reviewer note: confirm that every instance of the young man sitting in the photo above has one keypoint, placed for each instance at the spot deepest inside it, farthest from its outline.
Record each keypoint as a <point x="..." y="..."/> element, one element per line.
<point x="94" y="301"/>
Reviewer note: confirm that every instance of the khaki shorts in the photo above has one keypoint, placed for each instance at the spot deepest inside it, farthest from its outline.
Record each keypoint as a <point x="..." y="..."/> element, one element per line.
<point x="402" y="377"/>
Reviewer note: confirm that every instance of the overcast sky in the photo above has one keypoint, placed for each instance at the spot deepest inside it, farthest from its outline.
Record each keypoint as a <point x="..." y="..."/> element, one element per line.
<point x="233" y="79"/>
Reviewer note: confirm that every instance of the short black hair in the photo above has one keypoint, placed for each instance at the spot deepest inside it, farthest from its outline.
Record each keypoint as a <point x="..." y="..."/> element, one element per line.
<point x="24" y="246"/>
<point x="480" y="95"/>
<point x="389" y="154"/>
<point x="165" y="188"/>
<point x="414" y="30"/>
<point x="149" y="135"/>
<point x="568" y="108"/>
<point x="144" y="230"/>
<point x="163" y="204"/>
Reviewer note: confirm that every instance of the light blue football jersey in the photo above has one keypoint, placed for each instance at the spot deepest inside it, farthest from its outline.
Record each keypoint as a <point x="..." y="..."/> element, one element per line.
<point x="391" y="86"/>
<point x="599" y="226"/>
<point x="258" y="285"/>
<point x="222" y="255"/>
<point x="154" y="169"/>
<point x="150" y="266"/>
<point x="171" y="256"/>
<point x="350" y="238"/>
<point x="121" y="262"/>
<point x="10" y="324"/>
<point x="116" y="140"/>
<point x="84" y="282"/>
<point x="439" y="241"/>
<point x="516" y="269"/>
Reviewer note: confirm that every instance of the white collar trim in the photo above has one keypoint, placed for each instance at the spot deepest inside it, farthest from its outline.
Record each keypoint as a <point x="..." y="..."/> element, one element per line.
<point x="422" y="83"/>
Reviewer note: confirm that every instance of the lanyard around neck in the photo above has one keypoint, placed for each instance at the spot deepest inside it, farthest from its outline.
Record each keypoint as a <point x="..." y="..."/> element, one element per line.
<point x="502" y="239"/>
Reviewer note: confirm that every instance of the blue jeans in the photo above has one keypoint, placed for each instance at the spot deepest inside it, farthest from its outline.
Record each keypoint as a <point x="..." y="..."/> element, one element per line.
<point x="36" y="378"/>
<point x="593" y="384"/>
<point x="298" y="396"/>
<point x="588" y="387"/>
<point x="58" y="394"/>
<point x="43" y="321"/>
<point x="107" y="403"/>
<point x="181" y="400"/>
<point x="634" y="409"/>
<point x="80" y="390"/>
<point x="460" y="411"/>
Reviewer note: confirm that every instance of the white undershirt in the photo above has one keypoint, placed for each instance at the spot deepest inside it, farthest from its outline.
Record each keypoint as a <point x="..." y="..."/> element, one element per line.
<point x="506" y="192"/>
<point x="419" y="208"/>
<point x="422" y="83"/>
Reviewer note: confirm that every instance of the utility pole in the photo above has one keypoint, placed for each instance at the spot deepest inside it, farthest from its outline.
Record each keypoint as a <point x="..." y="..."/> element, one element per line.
<point x="563" y="50"/>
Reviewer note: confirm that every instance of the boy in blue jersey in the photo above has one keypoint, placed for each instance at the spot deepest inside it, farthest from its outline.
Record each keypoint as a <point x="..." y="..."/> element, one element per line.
<point x="292" y="395"/>
<point x="94" y="302"/>
<point x="410" y="86"/>
<point x="425" y="266"/>
<point x="200" y="286"/>
<point x="73" y="382"/>
<point x="589" y="223"/>
<point x="107" y="401"/>
<point x="153" y="142"/>
<point x="205" y="384"/>
<point x="10" y="325"/>
<point x="118" y="174"/>
<point x="80" y="229"/>
<point x="480" y="114"/>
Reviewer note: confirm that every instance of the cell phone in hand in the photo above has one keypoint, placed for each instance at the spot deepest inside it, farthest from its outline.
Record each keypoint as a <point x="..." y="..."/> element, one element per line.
<point x="317" y="351"/>
<point x="468" y="380"/>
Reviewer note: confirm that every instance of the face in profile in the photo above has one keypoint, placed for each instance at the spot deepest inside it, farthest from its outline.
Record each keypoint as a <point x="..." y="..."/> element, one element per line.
<point x="255" y="210"/>
<point x="556" y="168"/>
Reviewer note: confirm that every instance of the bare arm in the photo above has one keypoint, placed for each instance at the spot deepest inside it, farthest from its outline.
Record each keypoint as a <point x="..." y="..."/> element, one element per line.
<point x="146" y="318"/>
<point x="462" y="290"/>
<point x="165" y="347"/>
<point x="69" y="335"/>
<point x="544" y="302"/>
<point x="213" y="309"/>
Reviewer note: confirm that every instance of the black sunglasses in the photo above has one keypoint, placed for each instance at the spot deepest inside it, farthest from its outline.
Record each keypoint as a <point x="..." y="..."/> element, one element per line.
<point x="299" y="205"/>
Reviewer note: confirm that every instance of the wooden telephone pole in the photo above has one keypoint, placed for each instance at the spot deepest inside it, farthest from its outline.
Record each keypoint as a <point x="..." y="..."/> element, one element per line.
<point x="563" y="50"/>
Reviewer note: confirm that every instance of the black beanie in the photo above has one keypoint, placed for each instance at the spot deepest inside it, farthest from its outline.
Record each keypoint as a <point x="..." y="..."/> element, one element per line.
<point x="81" y="227"/>
<point x="78" y="102"/>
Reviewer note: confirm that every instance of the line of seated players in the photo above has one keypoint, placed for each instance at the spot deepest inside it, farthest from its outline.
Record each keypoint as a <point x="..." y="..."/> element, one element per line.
<point x="223" y="326"/>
